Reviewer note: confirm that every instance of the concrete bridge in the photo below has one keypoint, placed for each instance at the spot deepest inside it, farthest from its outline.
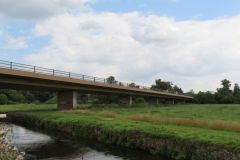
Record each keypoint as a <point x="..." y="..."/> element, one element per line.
<point x="27" y="77"/>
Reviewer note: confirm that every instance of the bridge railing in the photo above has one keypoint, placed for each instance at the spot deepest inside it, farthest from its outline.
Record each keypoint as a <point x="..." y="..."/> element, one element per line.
<point x="53" y="72"/>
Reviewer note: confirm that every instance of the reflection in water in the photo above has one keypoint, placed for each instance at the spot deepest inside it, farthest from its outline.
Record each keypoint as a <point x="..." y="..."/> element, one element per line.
<point x="41" y="146"/>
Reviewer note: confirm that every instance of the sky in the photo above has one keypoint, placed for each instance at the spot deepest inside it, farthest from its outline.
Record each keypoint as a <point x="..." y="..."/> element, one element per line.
<point x="192" y="43"/>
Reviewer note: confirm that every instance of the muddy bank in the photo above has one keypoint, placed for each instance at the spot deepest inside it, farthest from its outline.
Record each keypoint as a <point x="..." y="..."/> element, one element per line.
<point x="165" y="146"/>
<point x="7" y="150"/>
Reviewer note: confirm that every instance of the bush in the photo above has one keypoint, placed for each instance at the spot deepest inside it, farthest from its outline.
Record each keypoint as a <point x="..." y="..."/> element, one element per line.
<point x="53" y="100"/>
<point x="3" y="99"/>
<point x="140" y="101"/>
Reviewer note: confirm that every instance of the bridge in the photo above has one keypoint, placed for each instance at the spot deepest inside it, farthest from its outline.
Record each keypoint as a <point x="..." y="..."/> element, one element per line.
<point x="67" y="84"/>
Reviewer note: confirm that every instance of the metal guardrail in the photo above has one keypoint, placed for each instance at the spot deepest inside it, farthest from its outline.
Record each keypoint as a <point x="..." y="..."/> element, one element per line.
<point x="53" y="72"/>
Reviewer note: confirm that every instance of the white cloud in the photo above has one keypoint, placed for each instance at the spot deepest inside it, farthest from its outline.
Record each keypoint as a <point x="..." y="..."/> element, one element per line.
<point x="15" y="42"/>
<point x="133" y="47"/>
<point x="34" y="9"/>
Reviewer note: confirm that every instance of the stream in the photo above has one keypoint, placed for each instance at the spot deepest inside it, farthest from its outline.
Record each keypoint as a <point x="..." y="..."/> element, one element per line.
<point x="39" y="145"/>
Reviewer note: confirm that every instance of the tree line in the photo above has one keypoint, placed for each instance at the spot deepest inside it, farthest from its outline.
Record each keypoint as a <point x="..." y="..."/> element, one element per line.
<point x="8" y="96"/>
<point x="223" y="95"/>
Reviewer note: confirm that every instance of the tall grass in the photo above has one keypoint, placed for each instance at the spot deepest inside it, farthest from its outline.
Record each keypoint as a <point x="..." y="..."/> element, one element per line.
<point x="220" y="125"/>
<point x="79" y="111"/>
<point x="108" y="114"/>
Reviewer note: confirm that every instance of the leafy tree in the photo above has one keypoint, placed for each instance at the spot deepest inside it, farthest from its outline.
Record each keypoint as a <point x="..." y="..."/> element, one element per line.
<point x="111" y="80"/>
<point x="133" y="85"/>
<point x="162" y="85"/>
<point x="224" y="95"/>
<point x="103" y="99"/>
<point x="177" y="89"/>
<point x="29" y="97"/>
<point x="140" y="100"/>
<point x="205" y="97"/>
<point x="191" y="93"/>
<point x="226" y="85"/>
<point x="3" y="99"/>
<point x="15" y="96"/>
<point x="236" y="93"/>
<point x="42" y="96"/>
<point x="236" y="89"/>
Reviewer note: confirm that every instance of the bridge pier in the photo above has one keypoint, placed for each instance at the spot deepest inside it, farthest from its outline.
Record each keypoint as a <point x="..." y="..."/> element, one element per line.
<point x="67" y="100"/>
<point x="130" y="100"/>
<point x="157" y="101"/>
<point x="126" y="100"/>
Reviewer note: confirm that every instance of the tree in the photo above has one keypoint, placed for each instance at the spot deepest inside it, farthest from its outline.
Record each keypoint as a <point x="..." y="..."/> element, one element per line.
<point x="205" y="97"/>
<point x="236" y="89"/>
<point x="42" y="96"/>
<point x="162" y="85"/>
<point x="236" y="93"/>
<point x="177" y="89"/>
<point x="226" y="85"/>
<point x="191" y="93"/>
<point x="224" y="95"/>
<point x="15" y="96"/>
<point x="111" y="80"/>
<point x="133" y="85"/>
<point x="3" y="99"/>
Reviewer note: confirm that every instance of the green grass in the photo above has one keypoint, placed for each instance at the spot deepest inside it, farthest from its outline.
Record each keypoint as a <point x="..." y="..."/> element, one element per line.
<point x="225" y="112"/>
<point x="26" y="107"/>
<point x="118" y="118"/>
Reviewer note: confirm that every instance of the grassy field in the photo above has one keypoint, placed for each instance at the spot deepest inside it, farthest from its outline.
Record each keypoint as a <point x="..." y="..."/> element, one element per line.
<point x="211" y="124"/>
<point x="26" y="107"/>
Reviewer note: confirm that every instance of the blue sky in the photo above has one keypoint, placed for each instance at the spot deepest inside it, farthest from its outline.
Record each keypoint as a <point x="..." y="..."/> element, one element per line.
<point x="183" y="41"/>
<point x="179" y="9"/>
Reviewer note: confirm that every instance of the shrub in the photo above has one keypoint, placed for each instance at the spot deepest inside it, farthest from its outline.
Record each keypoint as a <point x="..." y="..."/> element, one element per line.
<point x="3" y="99"/>
<point x="140" y="101"/>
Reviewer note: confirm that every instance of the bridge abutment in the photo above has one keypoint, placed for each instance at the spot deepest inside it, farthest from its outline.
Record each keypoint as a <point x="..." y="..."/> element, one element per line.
<point x="67" y="100"/>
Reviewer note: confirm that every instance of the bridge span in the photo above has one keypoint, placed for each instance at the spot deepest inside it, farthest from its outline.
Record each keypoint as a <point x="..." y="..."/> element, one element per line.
<point x="67" y="84"/>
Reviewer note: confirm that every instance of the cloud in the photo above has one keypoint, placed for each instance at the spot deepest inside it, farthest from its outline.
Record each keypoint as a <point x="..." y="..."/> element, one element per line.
<point x="194" y="54"/>
<point x="35" y="9"/>
<point x="15" y="42"/>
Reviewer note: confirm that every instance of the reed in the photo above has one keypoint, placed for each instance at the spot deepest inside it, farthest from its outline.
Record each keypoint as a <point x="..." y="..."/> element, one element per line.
<point x="213" y="124"/>
<point x="108" y="114"/>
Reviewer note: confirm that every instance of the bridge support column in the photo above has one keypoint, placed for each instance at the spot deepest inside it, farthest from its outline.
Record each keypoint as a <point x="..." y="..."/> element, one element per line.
<point x="130" y="100"/>
<point x="67" y="100"/>
<point x="157" y="101"/>
<point x="126" y="100"/>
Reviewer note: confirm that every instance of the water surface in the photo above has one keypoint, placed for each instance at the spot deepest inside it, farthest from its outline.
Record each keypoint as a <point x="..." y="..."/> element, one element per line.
<point x="41" y="146"/>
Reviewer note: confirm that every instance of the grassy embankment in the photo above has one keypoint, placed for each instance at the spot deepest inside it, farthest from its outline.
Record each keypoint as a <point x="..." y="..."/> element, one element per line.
<point x="184" y="131"/>
<point x="26" y="107"/>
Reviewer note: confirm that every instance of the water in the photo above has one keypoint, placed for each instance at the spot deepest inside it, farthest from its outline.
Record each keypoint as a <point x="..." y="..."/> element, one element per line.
<point x="41" y="146"/>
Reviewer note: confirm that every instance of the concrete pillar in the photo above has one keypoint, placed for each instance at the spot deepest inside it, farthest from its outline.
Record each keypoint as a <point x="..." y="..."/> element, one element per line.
<point x="88" y="98"/>
<point x="157" y="101"/>
<point x="173" y="101"/>
<point x="130" y="100"/>
<point x="67" y="100"/>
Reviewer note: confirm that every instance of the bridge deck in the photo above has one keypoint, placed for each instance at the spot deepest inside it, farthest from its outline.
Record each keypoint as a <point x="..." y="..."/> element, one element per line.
<point x="15" y="75"/>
